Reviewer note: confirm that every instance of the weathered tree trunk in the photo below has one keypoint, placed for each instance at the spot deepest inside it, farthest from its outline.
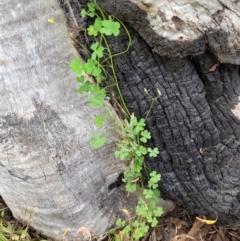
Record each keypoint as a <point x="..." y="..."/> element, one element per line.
<point x="190" y="51"/>
<point x="50" y="177"/>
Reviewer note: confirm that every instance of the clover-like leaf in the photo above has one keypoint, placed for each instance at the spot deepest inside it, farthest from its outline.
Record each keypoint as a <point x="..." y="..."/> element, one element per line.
<point x="158" y="211"/>
<point x="153" y="152"/>
<point x="148" y="193"/>
<point x="140" y="232"/>
<point x="99" y="93"/>
<point x="131" y="187"/>
<point x="110" y="27"/>
<point x="154" y="179"/>
<point x="92" y="31"/>
<point x="76" y="66"/>
<point x="142" y="210"/>
<point x="140" y="125"/>
<point x="98" y="140"/>
<point x="85" y="87"/>
<point x="98" y="50"/>
<point x="99" y="120"/>
<point x="154" y="222"/>
<point x="120" y="223"/>
<point x="141" y="150"/>
<point x="96" y="97"/>
<point x="122" y="154"/>
<point x="145" y="135"/>
<point x="95" y="101"/>
<point x="90" y="67"/>
<point x="137" y="167"/>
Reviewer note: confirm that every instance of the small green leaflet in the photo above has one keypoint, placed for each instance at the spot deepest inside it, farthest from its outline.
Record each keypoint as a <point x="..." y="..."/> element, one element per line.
<point x="83" y="13"/>
<point x="140" y="232"/>
<point x="97" y="24"/>
<point x="122" y="154"/>
<point x="91" y="12"/>
<point x="80" y="79"/>
<point x="99" y="120"/>
<point x="141" y="210"/>
<point x="95" y="101"/>
<point x="120" y="223"/>
<point x="110" y="27"/>
<point x="148" y="193"/>
<point x="131" y="187"/>
<point x="98" y="140"/>
<point x="91" y="68"/>
<point x="91" y="7"/>
<point x="92" y="31"/>
<point x="141" y="150"/>
<point x="158" y="211"/>
<point x="155" y="178"/>
<point x="77" y="66"/>
<point x="140" y="125"/>
<point x="153" y="152"/>
<point x="97" y="96"/>
<point x="154" y="222"/>
<point x="97" y="50"/>
<point x="145" y="135"/>
<point x="85" y="87"/>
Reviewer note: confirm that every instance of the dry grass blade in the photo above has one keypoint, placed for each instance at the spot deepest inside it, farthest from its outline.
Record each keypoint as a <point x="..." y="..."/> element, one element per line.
<point x="196" y="228"/>
<point x="153" y="236"/>
<point x="182" y="237"/>
<point x="214" y="67"/>
<point x="146" y="236"/>
<point x="234" y="234"/>
<point x="221" y="234"/>
<point x="127" y="213"/>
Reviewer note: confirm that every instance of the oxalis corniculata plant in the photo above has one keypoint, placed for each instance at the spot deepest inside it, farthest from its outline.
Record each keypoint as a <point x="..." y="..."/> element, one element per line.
<point x="133" y="132"/>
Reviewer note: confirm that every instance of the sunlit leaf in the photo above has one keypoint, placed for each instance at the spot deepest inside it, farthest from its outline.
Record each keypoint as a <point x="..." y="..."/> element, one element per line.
<point x="207" y="221"/>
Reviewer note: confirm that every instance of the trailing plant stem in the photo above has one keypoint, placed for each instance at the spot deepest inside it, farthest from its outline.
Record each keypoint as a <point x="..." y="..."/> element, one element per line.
<point x="134" y="135"/>
<point x="115" y="78"/>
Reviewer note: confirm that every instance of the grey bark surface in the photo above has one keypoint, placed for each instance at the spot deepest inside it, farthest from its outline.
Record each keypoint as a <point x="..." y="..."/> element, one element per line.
<point x="50" y="177"/>
<point x="196" y="122"/>
<point x="183" y="28"/>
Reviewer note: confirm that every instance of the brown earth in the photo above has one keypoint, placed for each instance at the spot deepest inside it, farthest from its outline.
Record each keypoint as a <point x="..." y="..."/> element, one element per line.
<point x="178" y="225"/>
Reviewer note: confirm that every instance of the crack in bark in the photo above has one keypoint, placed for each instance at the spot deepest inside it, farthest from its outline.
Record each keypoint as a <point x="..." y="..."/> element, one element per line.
<point x="225" y="6"/>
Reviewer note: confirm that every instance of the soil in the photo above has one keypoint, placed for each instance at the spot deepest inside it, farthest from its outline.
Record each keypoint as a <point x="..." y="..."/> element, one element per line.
<point x="178" y="225"/>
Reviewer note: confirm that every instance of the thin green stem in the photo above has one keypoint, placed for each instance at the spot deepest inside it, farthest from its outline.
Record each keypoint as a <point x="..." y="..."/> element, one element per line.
<point x="152" y="102"/>
<point x="115" y="78"/>
<point x="129" y="42"/>
<point x="112" y="85"/>
<point x="150" y="108"/>
<point x="100" y="10"/>
<point x="129" y="39"/>
<point x="81" y="45"/>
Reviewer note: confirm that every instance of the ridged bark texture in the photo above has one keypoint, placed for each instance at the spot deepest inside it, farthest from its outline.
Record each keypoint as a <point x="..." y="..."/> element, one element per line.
<point x="195" y="123"/>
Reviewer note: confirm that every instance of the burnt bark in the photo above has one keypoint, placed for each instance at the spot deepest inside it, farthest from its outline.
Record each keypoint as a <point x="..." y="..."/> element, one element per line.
<point x="196" y="121"/>
<point x="192" y="123"/>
